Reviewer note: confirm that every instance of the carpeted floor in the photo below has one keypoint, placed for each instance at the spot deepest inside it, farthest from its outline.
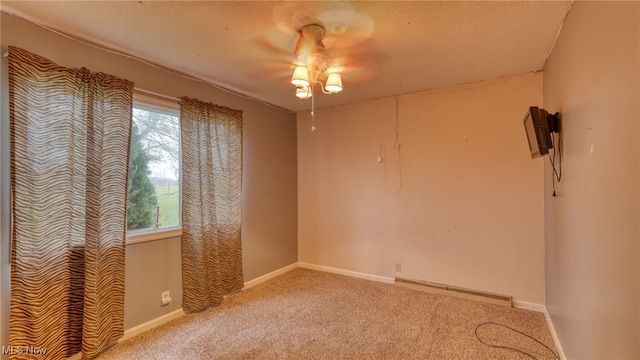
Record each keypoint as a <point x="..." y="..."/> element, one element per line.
<point x="306" y="314"/>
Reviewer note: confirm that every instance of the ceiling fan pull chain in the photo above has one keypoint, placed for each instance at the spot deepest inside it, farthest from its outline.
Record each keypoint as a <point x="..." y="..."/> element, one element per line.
<point x="313" y="113"/>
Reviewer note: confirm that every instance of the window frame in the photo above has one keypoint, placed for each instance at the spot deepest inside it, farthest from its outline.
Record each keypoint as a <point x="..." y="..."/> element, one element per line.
<point x="148" y="101"/>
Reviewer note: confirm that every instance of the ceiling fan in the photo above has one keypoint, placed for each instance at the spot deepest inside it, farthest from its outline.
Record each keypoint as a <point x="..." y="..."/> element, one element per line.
<point x="320" y="42"/>
<point x="313" y="63"/>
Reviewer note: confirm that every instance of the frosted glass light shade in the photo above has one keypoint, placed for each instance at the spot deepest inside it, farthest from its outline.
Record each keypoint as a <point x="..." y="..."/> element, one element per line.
<point x="300" y="76"/>
<point x="334" y="83"/>
<point x="303" y="92"/>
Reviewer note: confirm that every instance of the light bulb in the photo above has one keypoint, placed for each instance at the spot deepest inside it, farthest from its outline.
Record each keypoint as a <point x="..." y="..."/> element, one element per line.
<point x="300" y="76"/>
<point x="334" y="83"/>
<point x="303" y="92"/>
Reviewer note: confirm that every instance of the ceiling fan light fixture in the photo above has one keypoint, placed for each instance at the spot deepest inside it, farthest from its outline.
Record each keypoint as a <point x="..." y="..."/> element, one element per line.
<point x="300" y="76"/>
<point x="334" y="83"/>
<point x="303" y="92"/>
<point x="313" y="62"/>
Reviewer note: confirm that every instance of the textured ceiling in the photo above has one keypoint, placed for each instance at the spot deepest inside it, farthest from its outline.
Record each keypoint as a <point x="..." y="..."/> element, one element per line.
<point x="383" y="48"/>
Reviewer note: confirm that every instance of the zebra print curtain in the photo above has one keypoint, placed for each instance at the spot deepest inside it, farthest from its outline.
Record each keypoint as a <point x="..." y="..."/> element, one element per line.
<point x="211" y="203"/>
<point x="70" y="132"/>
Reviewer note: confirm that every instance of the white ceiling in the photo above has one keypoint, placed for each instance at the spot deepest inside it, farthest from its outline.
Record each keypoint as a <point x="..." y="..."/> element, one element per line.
<point x="384" y="48"/>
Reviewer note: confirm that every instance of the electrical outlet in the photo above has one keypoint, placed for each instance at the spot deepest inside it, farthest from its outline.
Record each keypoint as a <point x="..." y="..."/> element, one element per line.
<point x="166" y="298"/>
<point x="398" y="267"/>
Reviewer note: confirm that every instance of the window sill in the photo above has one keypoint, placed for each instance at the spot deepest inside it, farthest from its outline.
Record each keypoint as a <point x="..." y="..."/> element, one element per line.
<point x="141" y="237"/>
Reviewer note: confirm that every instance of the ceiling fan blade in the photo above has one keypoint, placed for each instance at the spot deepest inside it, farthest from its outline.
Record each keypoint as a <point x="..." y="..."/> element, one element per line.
<point x="268" y="46"/>
<point x="270" y="74"/>
<point x="346" y="27"/>
<point x="363" y="55"/>
<point x="290" y="16"/>
<point x="361" y="59"/>
<point x="346" y="36"/>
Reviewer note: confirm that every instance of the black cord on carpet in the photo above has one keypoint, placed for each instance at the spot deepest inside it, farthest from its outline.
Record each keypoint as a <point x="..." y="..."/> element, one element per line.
<point x="509" y="347"/>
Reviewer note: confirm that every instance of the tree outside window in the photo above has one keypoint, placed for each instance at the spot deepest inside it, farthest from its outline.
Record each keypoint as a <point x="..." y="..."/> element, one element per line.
<point x="153" y="199"/>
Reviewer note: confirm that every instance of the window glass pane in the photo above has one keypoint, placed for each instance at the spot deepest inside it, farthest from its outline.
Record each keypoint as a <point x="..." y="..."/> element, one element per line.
<point x="154" y="168"/>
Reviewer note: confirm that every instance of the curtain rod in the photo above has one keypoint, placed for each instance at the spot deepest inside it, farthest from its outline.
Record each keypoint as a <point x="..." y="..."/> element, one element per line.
<point x="156" y="95"/>
<point x="140" y="91"/>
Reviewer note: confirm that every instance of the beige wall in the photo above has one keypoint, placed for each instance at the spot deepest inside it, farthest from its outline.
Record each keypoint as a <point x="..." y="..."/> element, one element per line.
<point x="269" y="209"/>
<point x="472" y="206"/>
<point x="151" y="268"/>
<point x="470" y="209"/>
<point x="592" y="234"/>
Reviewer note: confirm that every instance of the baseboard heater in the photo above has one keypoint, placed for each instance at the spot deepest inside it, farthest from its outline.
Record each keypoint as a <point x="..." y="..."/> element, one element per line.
<point x="493" y="298"/>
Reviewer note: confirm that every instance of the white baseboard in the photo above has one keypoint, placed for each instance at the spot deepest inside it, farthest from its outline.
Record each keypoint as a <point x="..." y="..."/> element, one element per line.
<point x="270" y="275"/>
<point x="177" y="313"/>
<point x="141" y="328"/>
<point x="554" y="335"/>
<point x="151" y="324"/>
<point x="543" y="309"/>
<point x="356" y="274"/>
<point x="528" y="306"/>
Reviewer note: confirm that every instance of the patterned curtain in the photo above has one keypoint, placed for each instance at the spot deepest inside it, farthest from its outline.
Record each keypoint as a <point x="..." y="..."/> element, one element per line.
<point x="211" y="203"/>
<point x="70" y="132"/>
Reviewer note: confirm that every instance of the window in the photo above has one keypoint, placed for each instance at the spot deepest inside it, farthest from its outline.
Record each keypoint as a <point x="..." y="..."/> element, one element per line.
<point x="153" y="198"/>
